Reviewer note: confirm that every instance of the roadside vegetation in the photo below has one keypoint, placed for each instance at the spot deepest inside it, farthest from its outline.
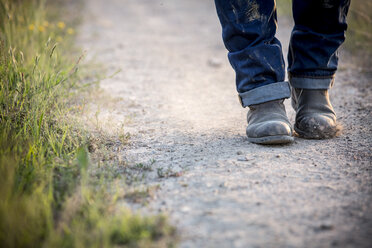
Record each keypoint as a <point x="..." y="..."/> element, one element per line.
<point x="48" y="196"/>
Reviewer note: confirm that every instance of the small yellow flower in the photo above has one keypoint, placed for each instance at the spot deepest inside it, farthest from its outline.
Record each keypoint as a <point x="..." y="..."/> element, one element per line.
<point x="59" y="38"/>
<point x="61" y="25"/>
<point x="31" y="27"/>
<point x="46" y="24"/>
<point x="70" y="31"/>
<point x="41" y="29"/>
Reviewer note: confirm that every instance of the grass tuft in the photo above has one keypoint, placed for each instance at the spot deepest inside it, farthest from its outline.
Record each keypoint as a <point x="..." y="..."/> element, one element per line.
<point x="47" y="197"/>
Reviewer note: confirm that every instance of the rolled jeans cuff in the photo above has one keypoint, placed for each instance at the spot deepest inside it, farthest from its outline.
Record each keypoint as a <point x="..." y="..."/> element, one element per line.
<point x="311" y="83"/>
<point x="266" y="93"/>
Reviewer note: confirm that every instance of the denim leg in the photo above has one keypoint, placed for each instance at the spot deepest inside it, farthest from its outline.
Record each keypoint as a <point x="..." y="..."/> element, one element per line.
<point x="319" y="31"/>
<point x="248" y="32"/>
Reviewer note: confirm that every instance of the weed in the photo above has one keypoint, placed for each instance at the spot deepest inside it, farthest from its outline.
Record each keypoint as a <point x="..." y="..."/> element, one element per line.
<point x="47" y="195"/>
<point x="167" y="173"/>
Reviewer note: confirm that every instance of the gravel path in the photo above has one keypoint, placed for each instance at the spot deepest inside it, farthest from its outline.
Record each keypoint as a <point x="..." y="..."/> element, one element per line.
<point x="178" y="102"/>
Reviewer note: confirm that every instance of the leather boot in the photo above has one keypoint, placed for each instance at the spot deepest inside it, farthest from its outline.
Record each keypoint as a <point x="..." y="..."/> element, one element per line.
<point x="315" y="117"/>
<point x="268" y="123"/>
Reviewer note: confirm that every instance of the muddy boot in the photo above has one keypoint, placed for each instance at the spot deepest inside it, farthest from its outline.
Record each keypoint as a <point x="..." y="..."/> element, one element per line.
<point x="268" y="123"/>
<point x="315" y="117"/>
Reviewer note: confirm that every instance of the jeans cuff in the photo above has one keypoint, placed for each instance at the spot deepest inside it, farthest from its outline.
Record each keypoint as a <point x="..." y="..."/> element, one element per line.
<point x="266" y="93"/>
<point x="311" y="83"/>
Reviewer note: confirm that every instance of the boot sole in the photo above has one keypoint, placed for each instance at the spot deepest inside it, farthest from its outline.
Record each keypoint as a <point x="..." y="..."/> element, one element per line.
<point x="272" y="140"/>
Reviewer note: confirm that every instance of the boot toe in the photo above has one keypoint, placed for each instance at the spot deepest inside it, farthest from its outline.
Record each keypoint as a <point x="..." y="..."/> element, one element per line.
<point x="269" y="128"/>
<point x="317" y="126"/>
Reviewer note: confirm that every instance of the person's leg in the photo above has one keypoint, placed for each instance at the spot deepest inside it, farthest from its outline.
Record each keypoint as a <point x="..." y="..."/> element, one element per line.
<point x="248" y="31"/>
<point x="319" y="31"/>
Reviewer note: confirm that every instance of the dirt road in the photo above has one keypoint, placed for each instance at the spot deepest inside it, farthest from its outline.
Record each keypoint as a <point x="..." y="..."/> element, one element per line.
<point x="178" y="102"/>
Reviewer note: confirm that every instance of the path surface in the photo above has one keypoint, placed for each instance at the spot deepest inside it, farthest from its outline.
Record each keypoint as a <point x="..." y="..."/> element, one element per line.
<point x="178" y="102"/>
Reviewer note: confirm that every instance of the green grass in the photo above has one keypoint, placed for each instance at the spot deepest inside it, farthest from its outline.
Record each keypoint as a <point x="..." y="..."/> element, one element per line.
<point x="47" y="196"/>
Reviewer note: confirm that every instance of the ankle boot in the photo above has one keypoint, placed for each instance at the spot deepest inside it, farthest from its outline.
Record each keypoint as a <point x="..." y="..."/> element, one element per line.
<point x="315" y="117"/>
<point x="268" y="123"/>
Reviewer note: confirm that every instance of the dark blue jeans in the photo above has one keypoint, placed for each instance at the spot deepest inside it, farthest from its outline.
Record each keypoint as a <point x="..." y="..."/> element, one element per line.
<point x="248" y="31"/>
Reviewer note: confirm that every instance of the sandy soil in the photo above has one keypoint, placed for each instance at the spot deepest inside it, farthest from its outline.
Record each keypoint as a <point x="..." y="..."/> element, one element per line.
<point x="177" y="99"/>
